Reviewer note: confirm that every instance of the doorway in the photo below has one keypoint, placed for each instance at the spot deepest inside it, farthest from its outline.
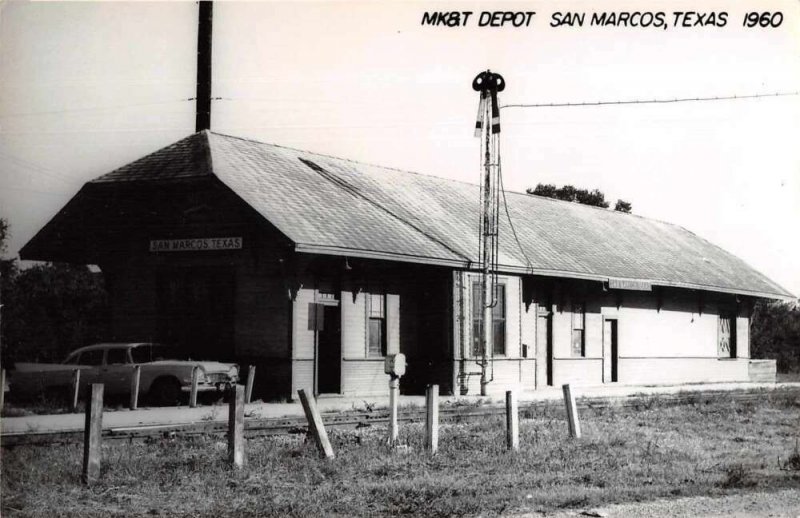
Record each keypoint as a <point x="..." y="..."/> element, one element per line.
<point x="544" y="348"/>
<point x="610" y="351"/>
<point x="329" y="349"/>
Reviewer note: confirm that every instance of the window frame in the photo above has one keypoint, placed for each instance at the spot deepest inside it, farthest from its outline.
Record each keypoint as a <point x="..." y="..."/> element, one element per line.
<point x="578" y="330"/>
<point x="380" y="316"/>
<point x="499" y="319"/>
<point x="732" y="342"/>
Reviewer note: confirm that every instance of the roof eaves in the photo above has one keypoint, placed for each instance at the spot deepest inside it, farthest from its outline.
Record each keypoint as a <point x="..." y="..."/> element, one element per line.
<point x="310" y="248"/>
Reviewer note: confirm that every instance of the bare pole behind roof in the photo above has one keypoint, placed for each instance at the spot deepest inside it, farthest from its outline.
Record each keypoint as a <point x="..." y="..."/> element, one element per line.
<point x="203" y="102"/>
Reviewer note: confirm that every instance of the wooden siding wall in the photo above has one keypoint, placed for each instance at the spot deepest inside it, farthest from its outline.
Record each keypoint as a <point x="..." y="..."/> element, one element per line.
<point x="663" y="337"/>
<point x="511" y="371"/>
<point x="261" y="313"/>
<point x="678" y="342"/>
<point x="361" y="374"/>
<point x="670" y="341"/>
<point x="416" y="325"/>
<point x="303" y="344"/>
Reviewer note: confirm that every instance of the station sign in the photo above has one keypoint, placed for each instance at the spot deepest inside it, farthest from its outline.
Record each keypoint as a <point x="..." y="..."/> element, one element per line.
<point x="629" y="284"/>
<point x="201" y="244"/>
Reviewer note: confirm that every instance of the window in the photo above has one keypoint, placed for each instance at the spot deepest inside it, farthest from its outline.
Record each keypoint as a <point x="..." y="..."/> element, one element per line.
<point x="498" y="320"/>
<point x="726" y="345"/>
<point x="93" y="357"/>
<point x="578" y="331"/>
<point x="155" y="352"/>
<point x="116" y="356"/>
<point x="376" y="324"/>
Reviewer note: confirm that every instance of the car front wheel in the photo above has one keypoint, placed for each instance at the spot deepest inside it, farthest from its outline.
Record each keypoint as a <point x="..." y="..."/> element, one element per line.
<point x="165" y="392"/>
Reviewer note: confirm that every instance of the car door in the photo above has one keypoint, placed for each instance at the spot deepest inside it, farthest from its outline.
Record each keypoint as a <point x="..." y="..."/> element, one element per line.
<point x="90" y="363"/>
<point x="116" y="373"/>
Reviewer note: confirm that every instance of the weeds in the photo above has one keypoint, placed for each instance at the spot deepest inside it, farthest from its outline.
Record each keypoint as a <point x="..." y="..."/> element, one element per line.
<point x="626" y="454"/>
<point x="793" y="462"/>
<point x="738" y="476"/>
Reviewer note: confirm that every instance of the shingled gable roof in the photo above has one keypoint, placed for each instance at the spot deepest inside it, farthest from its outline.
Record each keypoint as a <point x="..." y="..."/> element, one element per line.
<point x="329" y="205"/>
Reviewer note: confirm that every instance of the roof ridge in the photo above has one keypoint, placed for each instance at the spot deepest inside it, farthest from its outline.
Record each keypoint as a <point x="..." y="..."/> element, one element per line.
<point x="352" y="161"/>
<point x="201" y="137"/>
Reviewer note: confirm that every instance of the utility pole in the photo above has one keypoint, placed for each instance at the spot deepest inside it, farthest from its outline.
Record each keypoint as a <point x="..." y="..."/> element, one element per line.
<point x="488" y="126"/>
<point x="203" y="98"/>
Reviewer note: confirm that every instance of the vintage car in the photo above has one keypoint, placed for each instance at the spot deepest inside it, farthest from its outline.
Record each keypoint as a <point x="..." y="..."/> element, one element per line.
<point x="162" y="377"/>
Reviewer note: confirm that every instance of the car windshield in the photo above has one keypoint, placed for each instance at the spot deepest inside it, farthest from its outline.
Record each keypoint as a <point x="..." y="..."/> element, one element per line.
<point x="153" y="353"/>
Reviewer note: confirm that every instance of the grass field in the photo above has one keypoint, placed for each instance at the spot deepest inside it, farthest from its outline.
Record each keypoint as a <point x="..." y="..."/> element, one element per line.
<point x="631" y="454"/>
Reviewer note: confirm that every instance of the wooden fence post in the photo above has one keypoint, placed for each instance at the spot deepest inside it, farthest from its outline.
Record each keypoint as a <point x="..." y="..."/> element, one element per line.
<point x="193" y="393"/>
<point x="512" y="421"/>
<point x="432" y="418"/>
<point x="572" y="412"/>
<point x="2" y="388"/>
<point x="315" y="425"/>
<point x="135" y="375"/>
<point x="236" y="427"/>
<point x="251" y="376"/>
<point x="92" y="435"/>
<point x="76" y="387"/>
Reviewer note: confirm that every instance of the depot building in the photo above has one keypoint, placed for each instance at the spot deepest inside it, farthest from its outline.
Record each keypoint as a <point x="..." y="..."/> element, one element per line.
<point x="315" y="268"/>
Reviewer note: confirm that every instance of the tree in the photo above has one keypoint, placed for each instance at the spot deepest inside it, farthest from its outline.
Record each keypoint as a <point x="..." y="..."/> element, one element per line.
<point x="595" y="197"/>
<point x="49" y="309"/>
<point x="775" y="333"/>
<point x="623" y="206"/>
<point x="3" y="235"/>
<point x="8" y="270"/>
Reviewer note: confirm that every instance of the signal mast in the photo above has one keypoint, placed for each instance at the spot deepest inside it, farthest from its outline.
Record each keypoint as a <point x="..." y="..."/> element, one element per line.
<point x="487" y="126"/>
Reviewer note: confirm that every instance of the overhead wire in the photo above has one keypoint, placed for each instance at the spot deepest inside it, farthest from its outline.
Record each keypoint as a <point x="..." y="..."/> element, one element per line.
<point x="510" y="222"/>
<point x="650" y="101"/>
<point x="96" y="108"/>
<point x="40" y="169"/>
<point x="610" y="103"/>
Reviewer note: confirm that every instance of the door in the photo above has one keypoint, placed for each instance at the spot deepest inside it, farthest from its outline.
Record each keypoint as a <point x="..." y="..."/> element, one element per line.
<point x="329" y="350"/>
<point x="610" y="351"/>
<point x="117" y="371"/>
<point x="544" y="348"/>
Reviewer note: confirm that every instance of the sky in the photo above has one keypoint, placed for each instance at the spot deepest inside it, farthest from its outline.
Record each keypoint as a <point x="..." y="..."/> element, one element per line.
<point x="86" y="87"/>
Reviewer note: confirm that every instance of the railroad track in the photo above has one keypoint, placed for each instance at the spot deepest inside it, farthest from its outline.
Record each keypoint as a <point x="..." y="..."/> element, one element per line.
<point x="447" y="414"/>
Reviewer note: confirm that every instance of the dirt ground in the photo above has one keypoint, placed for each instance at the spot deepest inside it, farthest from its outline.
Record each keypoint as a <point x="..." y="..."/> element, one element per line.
<point x="777" y="504"/>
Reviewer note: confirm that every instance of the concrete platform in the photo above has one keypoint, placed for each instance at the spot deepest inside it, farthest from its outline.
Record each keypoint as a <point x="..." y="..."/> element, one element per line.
<point x="120" y="419"/>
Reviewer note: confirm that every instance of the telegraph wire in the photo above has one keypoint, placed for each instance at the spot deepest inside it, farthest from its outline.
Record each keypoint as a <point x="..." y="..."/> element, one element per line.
<point x="36" y="191"/>
<point x="651" y="101"/>
<point x="508" y="216"/>
<point x="99" y="108"/>
<point x="33" y="167"/>
<point x="515" y="105"/>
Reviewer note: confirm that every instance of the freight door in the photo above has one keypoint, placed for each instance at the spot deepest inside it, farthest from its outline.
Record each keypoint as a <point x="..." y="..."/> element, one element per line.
<point x="544" y="348"/>
<point x="610" y="351"/>
<point x="329" y="350"/>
